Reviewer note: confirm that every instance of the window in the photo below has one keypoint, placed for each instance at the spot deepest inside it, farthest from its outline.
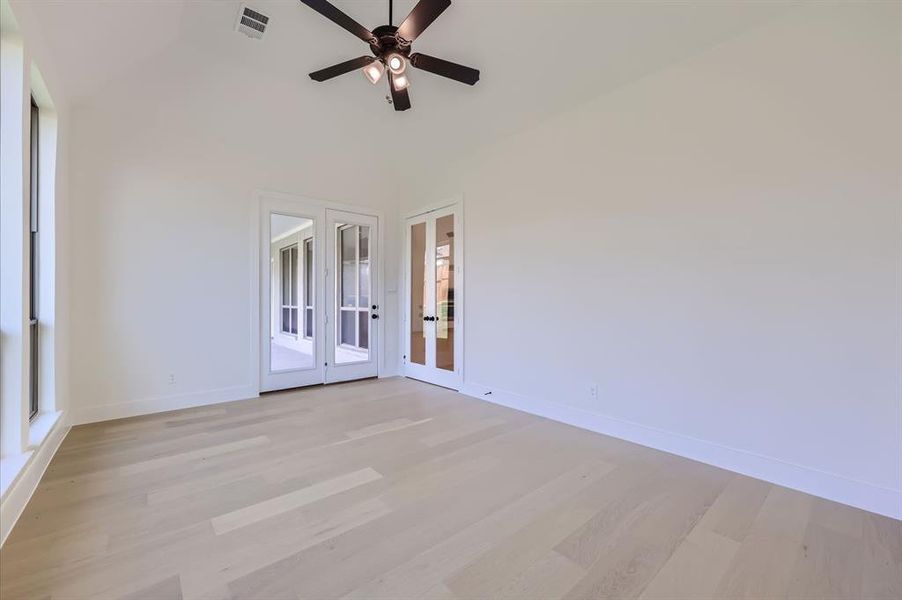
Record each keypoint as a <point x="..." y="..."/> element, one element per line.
<point x="354" y="282"/>
<point x="308" y="288"/>
<point x="289" y="262"/>
<point x="28" y="141"/>
<point x="33" y="265"/>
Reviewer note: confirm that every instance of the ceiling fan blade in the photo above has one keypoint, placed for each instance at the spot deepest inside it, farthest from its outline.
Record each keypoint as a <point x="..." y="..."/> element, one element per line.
<point x="422" y="15"/>
<point x="341" y="68"/>
<point x="445" y="68"/>
<point x="399" y="99"/>
<point x="341" y="19"/>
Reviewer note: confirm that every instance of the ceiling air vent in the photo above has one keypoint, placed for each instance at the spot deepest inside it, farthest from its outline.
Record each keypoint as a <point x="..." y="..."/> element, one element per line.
<point x="251" y="23"/>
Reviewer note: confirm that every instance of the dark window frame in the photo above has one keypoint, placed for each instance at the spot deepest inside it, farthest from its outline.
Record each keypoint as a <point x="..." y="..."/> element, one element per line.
<point x="33" y="264"/>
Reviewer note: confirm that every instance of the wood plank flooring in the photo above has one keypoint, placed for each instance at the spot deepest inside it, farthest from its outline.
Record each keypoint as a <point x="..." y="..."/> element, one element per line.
<point x="396" y="489"/>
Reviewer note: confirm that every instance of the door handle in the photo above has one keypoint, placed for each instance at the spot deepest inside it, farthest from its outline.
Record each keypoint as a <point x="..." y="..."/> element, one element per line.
<point x="374" y="317"/>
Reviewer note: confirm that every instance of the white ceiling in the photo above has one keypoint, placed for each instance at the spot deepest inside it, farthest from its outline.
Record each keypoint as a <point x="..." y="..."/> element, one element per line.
<point x="537" y="57"/>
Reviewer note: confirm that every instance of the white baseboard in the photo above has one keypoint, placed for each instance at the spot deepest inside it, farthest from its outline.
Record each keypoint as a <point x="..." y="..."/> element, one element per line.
<point x="21" y="489"/>
<point x="834" y="487"/>
<point x="146" y="406"/>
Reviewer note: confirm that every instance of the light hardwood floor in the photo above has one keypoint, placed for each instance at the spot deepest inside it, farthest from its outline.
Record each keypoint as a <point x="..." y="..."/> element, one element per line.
<point x="397" y="489"/>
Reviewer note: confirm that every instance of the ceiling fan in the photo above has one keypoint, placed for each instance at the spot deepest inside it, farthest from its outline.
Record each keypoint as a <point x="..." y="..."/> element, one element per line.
<point x="390" y="46"/>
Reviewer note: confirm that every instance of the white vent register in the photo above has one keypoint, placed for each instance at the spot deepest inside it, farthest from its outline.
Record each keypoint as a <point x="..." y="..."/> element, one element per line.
<point x="251" y="23"/>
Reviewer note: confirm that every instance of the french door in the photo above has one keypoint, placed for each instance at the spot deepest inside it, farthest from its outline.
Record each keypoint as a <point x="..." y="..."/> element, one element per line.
<point x="318" y="295"/>
<point x="433" y="340"/>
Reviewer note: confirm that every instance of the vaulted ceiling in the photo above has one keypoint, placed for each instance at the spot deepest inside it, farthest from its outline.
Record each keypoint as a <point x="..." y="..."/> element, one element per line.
<point x="537" y="57"/>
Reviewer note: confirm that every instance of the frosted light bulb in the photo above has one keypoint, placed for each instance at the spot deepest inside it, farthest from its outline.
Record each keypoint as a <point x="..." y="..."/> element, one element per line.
<point x="400" y="82"/>
<point x="374" y="71"/>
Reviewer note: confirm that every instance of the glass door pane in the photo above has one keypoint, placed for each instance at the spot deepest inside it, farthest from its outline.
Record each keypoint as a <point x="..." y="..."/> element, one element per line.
<point x="444" y="292"/>
<point x="353" y="264"/>
<point x="417" y="293"/>
<point x="288" y="350"/>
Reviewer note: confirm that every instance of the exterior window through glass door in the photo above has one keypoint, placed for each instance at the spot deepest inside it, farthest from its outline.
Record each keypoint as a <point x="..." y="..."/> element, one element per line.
<point x="308" y="289"/>
<point x="353" y="321"/>
<point x="290" y="290"/>
<point x="292" y="294"/>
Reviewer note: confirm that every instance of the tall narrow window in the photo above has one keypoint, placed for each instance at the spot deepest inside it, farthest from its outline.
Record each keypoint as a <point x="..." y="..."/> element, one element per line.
<point x="289" y="260"/>
<point x="308" y="288"/>
<point x="354" y="293"/>
<point x="348" y="261"/>
<point x="33" y="264"/>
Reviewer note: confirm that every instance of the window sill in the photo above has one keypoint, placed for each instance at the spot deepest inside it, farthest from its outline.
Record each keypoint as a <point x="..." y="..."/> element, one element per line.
<point x="40" y="428"/>
<point x="12" y="466"/>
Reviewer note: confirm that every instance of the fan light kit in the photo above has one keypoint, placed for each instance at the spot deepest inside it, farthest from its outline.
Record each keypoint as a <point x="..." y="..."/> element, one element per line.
<point x="374" y="71"/>
<point x="400" y="82"/>
<point x="396" y="64"/>
<point x="390" y="46"/>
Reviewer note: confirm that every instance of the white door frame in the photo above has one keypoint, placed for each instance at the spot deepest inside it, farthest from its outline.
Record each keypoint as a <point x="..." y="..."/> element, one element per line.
<point x="455" y="379"/>
<point x="265" y="202"/>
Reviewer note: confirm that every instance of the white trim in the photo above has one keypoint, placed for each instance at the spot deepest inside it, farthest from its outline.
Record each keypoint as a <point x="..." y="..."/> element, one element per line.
<point x="254" y="290"/>
<point x="11" y="466"/>
<point x="146" y="406"/>
<point x="261" y="195"/>
<point x="455" y="200"/>
<point x="24" y="484"/>
<point x="48" y="250"/>
<point x="14" y="344"/>
<point x="831" y="486"/>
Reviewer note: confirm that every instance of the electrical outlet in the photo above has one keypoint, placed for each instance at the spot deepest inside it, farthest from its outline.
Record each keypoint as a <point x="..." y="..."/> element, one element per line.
<point x="171" y="379"/>
<point x="593" y="391"/>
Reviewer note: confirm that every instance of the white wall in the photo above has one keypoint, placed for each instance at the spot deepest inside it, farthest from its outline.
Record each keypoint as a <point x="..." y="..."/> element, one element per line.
<point x="717" y="246"/>
<point x="169" y="159"/>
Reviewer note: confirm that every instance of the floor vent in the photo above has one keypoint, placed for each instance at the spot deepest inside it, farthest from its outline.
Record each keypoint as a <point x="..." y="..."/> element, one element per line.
<point x="251" y="23"/>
